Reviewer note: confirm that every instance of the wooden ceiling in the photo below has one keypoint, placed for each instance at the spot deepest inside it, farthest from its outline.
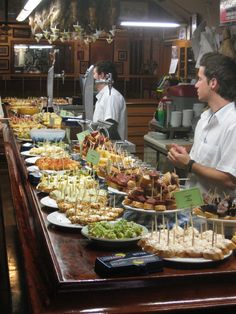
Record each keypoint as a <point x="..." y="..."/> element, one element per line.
<point x="179" y="9"/>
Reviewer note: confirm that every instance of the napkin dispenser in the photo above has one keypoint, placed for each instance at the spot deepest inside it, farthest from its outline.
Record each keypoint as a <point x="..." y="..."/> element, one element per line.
<point x="128" y="264"/>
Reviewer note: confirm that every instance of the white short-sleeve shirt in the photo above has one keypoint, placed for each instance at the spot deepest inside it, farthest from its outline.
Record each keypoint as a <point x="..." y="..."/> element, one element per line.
<point x="215" y="145"/>
<point x="111" y="106"/>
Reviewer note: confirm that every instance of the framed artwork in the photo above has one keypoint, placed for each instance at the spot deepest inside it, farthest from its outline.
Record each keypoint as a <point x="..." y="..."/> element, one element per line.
<point x="4" y="51"/>
<point x="3" y="38"/>
<point x="4" y="64"/>
<point x="83" y="66"/>
<point x="119" y="68"/>
<point x="183" y="32"/>
<point x="80" y="55"/>
<point x="21" y="32"/>
<point x="122" y="55"/>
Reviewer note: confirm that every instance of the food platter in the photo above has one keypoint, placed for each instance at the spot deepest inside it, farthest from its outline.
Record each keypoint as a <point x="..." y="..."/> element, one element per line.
<point x="113" y="242"/>
<point x="228" y="222"/>
<point x="32" y="160"/>
<point x="33" y="168"/>
<point x="26" y="153"/>
<point x="21" y="139"/>
<point x="189" y="260"/>
<point x="151" y="211"/>
<point x="115" y="191"/>
<point x="60" y="219"/>
<point x="49" y="202"/>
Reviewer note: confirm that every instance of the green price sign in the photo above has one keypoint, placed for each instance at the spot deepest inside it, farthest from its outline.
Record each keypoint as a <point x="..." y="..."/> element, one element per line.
<point x="93" y="157"/>
<point x="188" y="198"/>
<point x="63" y="113"/>
<point x="80" y="136"/>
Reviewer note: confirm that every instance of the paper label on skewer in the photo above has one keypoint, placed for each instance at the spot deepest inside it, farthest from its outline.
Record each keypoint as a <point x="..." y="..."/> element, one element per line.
<point x="93" y="157"/>
<point x="80" y="136"/>
<point x="188" y="198"/>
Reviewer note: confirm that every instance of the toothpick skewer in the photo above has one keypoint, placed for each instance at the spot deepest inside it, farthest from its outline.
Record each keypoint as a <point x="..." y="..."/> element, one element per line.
<point x="155" y="223"/>
<point x="212" y="241"/>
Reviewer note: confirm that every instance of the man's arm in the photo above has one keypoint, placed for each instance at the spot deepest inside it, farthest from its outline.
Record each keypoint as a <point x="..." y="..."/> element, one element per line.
<point x="180" y="158"/>
<point x="214" y="175"/>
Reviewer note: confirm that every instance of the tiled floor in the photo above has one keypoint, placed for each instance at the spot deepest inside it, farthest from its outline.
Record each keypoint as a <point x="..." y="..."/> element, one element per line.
<point x="12" y="289"/>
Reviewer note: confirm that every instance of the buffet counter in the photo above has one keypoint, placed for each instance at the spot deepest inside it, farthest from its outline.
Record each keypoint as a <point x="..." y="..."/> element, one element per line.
<point x="60" y="274"/>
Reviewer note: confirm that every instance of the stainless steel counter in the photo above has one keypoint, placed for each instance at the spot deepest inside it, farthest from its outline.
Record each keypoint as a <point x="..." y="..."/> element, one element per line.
<point x="155" y="151"/>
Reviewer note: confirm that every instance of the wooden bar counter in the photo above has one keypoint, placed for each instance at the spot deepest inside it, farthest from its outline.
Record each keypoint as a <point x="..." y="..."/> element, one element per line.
<point x="59" y="265"/>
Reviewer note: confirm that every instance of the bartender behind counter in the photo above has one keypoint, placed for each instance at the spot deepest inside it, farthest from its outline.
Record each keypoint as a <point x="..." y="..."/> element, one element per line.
<point x="211" y="162"/>
<point x="110" y="105"/>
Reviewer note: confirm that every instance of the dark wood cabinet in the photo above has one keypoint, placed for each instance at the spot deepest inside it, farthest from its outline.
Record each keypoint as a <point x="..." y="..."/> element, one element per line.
<point x="186" y="64"/>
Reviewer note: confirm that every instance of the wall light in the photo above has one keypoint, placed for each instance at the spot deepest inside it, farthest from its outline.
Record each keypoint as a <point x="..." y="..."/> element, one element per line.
<point x="148" y="24"/>
<point x="28" y="8"/>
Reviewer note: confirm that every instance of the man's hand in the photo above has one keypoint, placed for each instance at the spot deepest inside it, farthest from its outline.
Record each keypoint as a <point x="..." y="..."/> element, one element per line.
<point x="178" y="156"/>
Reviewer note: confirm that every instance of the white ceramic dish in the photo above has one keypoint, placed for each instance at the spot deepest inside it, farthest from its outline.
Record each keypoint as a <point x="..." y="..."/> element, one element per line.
<point x="53" y="135"/>
<point x="32" y="160"/>
<point x="33" y="168"/>
<point x="110" y="242"/>
<point x="150" y="211"/>
<point x="218" y="221"/>
<point x="189" y="260"/>
<point x="49" y="202"/>
<point x="60" y="219"/>
<point x="115" y="191"/>
<point x="21" y="139"/>
<point x="26" y="153"/>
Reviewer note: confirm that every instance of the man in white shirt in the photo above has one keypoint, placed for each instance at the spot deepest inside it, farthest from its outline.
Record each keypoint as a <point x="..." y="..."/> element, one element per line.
<point x="110" y="105"/>
<point x="211" y="163"/>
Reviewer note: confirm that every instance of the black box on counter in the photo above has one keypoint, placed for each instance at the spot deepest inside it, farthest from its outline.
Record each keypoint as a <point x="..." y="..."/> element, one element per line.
<point x="128" y="264"/>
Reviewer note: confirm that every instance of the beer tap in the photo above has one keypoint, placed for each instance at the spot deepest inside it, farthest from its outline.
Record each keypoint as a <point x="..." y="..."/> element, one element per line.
<point x="61" y="75"/>
<point x="108" y="81"/>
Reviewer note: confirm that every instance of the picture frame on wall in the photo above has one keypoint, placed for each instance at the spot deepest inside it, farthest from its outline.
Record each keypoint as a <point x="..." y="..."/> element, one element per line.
<point x="119" y="68"/>
<point x="83" y="66"/>
<point x="4" y="51"/>
<point x="122" y="55"/>
<point x="3" y="38"/>
<point x="4" y="64"/>
<point x="21" y="32"/>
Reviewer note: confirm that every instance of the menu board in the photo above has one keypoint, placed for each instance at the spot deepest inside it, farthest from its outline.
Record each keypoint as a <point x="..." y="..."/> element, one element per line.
<point x="227" y="11"/>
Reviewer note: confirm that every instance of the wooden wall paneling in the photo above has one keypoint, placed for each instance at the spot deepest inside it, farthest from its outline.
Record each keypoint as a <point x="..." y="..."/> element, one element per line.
<point x="101" y="50"/>
<point x="164" y="58"/>
<point x="138" y="118"/>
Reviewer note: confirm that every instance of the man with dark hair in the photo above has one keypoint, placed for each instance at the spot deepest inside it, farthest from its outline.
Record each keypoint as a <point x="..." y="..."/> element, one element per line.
<point x="211" y="163"/>
<point x="110" y="105"/>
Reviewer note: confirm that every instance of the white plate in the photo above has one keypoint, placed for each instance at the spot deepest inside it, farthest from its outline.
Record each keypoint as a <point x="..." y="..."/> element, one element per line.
<point x="111" y="242"/>
<point x="115" y="191"/>
<point x="194" y="260"/>
<point x="60" y="219"/>
<point x="21" y="139"/>
<point x="226" y="222"/>
<point x="32" y="160"/>
<point x="151" y="211"/>
<point x="33" y="168"/>
<point x="49" y="202"/>
<point x="27" y="153"/>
